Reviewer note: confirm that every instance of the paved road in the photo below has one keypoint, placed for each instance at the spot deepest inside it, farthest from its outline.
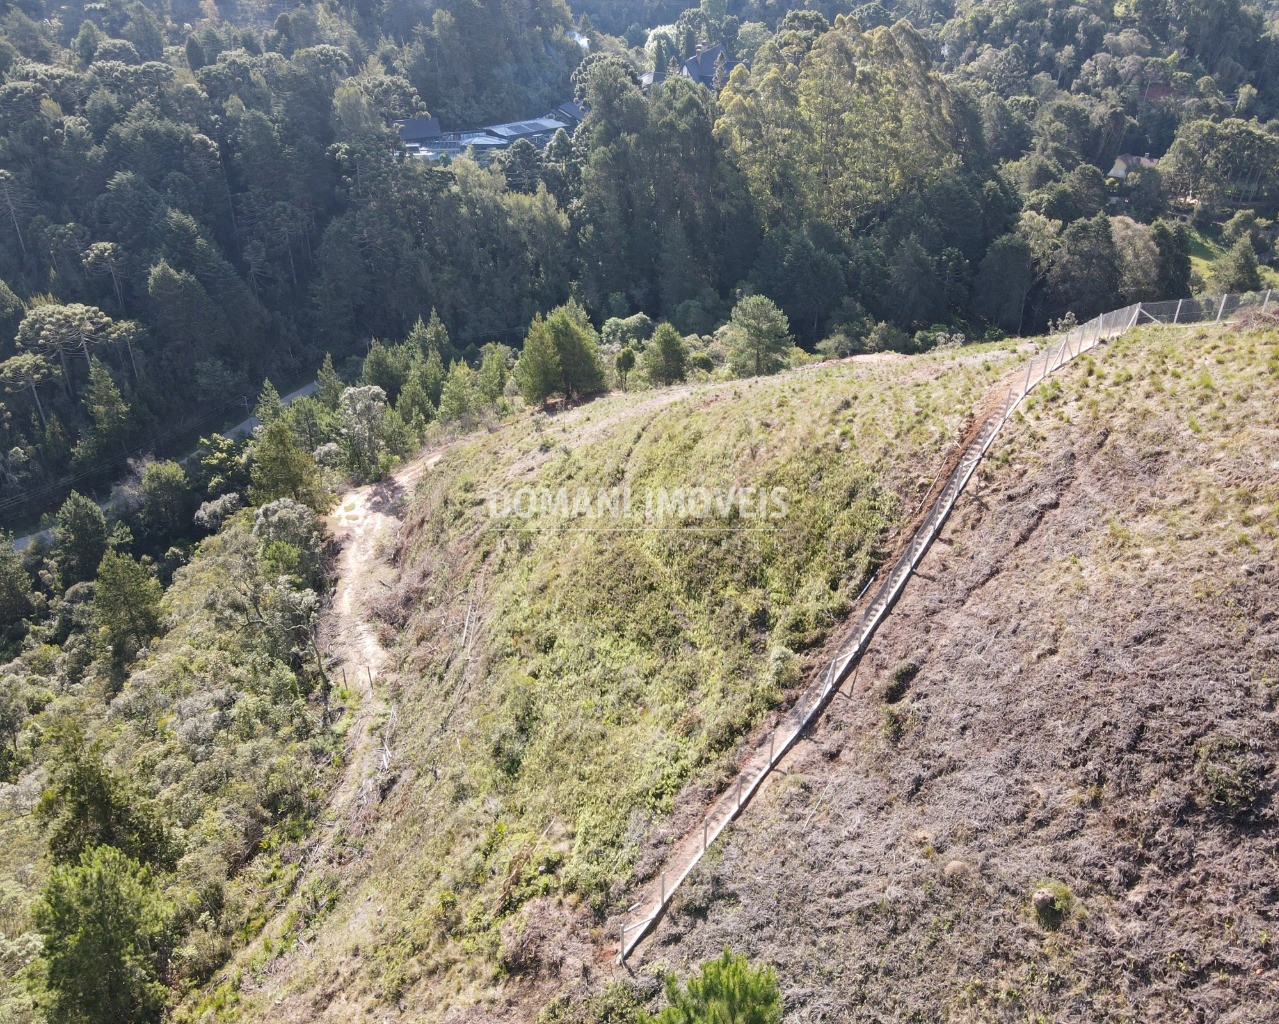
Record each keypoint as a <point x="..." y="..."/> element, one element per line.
<point x="241" y="429"/>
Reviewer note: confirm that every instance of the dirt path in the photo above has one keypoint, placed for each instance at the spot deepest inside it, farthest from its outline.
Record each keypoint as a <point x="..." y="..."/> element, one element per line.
<point x="365" y="523"/>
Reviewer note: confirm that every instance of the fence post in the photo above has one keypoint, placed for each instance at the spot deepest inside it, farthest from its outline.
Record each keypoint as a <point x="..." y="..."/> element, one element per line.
<point x="1177" y="315"/>
<point x="1135" y="317"/>
<point x="1266" y="301"/>
<point x="739" y="792"/>
<point x="370" y="673"/>
<point x="705" y="826"/>
<point x="772" y="736"/>
<point x="1221" y="309"/>
<point x="662" y="902"/>
<point x="621" y="944"/>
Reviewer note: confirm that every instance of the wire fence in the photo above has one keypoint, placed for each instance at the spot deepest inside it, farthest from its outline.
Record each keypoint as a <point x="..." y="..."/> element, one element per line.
<point x="689" y="851"/>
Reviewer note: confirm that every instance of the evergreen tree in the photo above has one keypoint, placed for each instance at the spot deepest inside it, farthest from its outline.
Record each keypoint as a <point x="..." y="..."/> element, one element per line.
<point x="491" y="379"/>
<point x="538" y="370"/>
<point x="665" y="357"/>
<point x="916" y="290"/>
<point x="431" y="336"/>
<point x="269" y="408"/>
<point x="329" y="391"/>
<point x="459" y="399"/>
<point x="88" y="804"/>
<point x="387" y="368"/>
<point x="165" y="509"/>
<point x="1237" y="270"/>
<point x="1004" y="277"/>
<point x="26" y="372"/>
<point x="577" y="347"/>
<point x="280" y="469"/>
<point x="79" y="539"/>
<point x="103" y="925"/>
<point x="415" y="405"/>
<point x="1085" y="273"/>
<point x="126" y="606"/>
<point x="1173" y="242"/>
<point x="432" y="377"/>
<point x="15" y="593"/>
<point x="759" y="337"/>
<point x="108" y="416"/>
<point x="725" y="991"/>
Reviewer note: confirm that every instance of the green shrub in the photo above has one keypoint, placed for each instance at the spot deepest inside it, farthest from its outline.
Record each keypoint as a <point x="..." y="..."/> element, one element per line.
<point x="899" y="681"/>
<point x="726" y="991"/>
<point x="1052" y="902"/>
<point x="1228" y="776"/>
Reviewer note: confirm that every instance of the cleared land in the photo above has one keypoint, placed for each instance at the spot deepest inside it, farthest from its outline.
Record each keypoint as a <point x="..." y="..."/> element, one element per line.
<point x="1050" y="795"/>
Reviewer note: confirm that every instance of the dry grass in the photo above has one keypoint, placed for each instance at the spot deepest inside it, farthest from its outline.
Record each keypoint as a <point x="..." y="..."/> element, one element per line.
<point x="564" y="695"/>
<point x="1093" y="715"/>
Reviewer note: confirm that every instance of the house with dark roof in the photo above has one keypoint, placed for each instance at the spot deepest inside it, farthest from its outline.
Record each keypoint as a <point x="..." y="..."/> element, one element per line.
<point x="571" y="114"/>
<point x="701" y="67"/>
<point x="538" y="130"/>
<point x="415" y="131"/>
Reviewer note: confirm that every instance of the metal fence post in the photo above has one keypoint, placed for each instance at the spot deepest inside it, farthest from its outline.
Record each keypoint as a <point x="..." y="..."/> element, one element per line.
<point x="739" y="792"/>
<point x="1177" y="315"/>
<point x="1266" y="301"/>
<point x="705" y="826"/>
<point x="663" y="888"/>
<point x="1221" y="309"/>
<point x="370" y="673"/>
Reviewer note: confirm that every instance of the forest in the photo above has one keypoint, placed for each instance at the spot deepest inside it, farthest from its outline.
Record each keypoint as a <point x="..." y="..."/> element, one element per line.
<point x="197" y="200"/>
<point x="201" y="199"/>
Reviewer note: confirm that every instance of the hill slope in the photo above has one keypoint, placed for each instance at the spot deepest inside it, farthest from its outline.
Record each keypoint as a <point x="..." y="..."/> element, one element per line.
<point x="1075" y="699"/>
<point x="557" y="686"/>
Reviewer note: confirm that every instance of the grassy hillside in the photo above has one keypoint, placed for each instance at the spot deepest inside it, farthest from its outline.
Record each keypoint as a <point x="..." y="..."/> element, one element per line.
<point x="561" y="681"/>
<point x="1051" y="797"/>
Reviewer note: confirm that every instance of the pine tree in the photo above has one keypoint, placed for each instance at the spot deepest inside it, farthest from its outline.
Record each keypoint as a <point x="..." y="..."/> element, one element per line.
<point x="729" y="990"/>
<point x="431" y="336"/>
<point x="281" y="469"/>
<point x="269" y="407"/>
<point x="1237" y="270"/>
<point x="108" y="413"/>
<point x="415" y="406"/>
<point x="433" y="374"/>
<point x="103" y="923"/>
<point x="577" y="349"/>
<point x="538" y="371"/>
<point x="491" y="379"/>
<point x="329" y="390"/>
<point x="79" y="539"/>
<point x="760" y="337"/>
<point x="666" y="358"/>
<point x="460" y="397"/>
<point x="126" y="606"/>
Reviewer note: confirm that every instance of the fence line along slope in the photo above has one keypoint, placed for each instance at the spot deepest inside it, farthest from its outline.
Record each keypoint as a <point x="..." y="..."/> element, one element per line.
<point x="559" y="688"/>
<point x="1053" y="794"/>
<point x="994" y="412"/>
